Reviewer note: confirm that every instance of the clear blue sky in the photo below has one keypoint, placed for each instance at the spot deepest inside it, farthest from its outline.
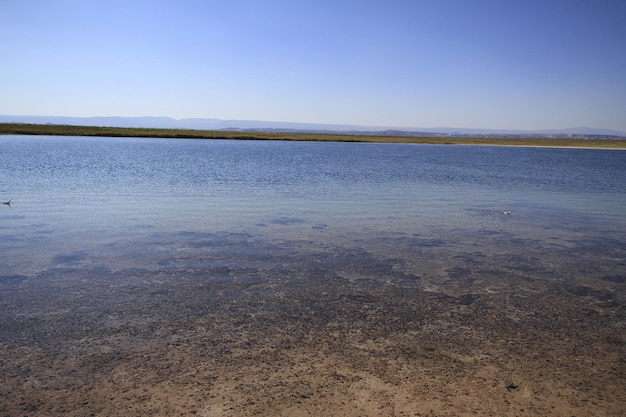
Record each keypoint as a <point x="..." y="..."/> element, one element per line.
<point x="515" y="64"/>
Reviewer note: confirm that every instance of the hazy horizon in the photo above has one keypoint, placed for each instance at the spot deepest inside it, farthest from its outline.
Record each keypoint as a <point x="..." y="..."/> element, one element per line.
<point x="225" y="124"/>
<point x="531" y="65"/>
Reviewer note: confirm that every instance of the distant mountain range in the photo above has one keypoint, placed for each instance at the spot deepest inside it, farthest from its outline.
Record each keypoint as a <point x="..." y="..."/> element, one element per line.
<point x="258" y="125"/>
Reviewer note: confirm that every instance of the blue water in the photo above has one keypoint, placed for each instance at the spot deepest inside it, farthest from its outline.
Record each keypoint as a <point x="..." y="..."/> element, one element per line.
<point x="211" y="276"/>
<point x="105" y="196"/>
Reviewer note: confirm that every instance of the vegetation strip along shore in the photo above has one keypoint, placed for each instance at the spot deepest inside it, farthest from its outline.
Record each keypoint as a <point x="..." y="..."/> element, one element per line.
<point x="67" y="130"/>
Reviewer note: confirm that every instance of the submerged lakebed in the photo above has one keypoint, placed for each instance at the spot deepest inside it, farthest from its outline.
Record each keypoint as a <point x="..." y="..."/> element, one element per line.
<point x="216" y="277"/>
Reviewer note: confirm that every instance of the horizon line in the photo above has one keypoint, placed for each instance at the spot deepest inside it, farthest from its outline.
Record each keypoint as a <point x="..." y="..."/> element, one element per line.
<point x="325" y="126"/>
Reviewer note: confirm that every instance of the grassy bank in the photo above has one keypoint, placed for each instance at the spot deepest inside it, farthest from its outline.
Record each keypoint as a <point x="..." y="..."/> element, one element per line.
<point x="65" y="130"/>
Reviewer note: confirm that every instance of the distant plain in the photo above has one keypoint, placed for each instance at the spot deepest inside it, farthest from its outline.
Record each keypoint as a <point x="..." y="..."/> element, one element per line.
<point x="105" y="131"/>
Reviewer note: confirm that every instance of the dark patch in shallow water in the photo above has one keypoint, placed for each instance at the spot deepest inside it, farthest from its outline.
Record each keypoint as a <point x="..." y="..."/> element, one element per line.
<point x="286" y="221"/>
<point x="195" y="239"/>
<point x="468" y="299"/>
<point x="71" y="257"/>
<point x="586" y="291"/>
<point x="603" y="295"/>
<point x="608" y="304"/>
<point x="580" y="291"/>
<point x="12" y="279"/>
<point x="134" y="271"/>
<point x="362" y="298"/>
<point x="425" y="243"/>
<point x="459" y="272"/>
<point x="87" y="272"/>
<point x="619" y="279"/>
<point x="144" y="226"/>
<point x="471" y="259"/>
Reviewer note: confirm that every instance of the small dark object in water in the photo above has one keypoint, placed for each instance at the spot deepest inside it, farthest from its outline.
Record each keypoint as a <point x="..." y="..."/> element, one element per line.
<point x="512" y="387"/>
<point x="8" y="203"/>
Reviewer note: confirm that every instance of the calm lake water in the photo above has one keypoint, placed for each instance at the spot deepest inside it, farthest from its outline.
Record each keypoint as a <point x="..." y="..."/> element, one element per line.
<point x="122" y="203"/>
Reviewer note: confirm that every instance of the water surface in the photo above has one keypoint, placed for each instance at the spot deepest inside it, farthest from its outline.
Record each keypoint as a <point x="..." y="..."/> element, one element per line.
<point x="223" y="278"/>
<point x="84" y="194"/>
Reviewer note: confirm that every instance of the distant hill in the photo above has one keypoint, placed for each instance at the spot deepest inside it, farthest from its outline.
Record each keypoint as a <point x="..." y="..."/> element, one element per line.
<point x="258" y="125"/>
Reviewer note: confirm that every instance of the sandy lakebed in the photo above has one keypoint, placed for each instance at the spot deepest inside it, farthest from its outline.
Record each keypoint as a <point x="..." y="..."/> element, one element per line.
<point x="178" y="277"/>
<point x="295" y="331"/>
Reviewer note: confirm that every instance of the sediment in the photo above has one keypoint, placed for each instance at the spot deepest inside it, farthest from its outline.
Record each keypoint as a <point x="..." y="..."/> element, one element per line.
<point x="233" y="326"/>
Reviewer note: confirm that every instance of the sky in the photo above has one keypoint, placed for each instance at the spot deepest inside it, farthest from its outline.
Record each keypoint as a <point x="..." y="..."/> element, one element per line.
<point x="500" y="64"/>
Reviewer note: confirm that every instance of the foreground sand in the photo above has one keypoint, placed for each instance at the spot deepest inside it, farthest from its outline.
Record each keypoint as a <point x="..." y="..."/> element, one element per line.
<point x="291" y="332"/>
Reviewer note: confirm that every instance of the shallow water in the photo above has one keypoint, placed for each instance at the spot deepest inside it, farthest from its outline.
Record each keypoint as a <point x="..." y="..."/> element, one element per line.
<point x="94" y="195"/>
<point x="244" y="278"/>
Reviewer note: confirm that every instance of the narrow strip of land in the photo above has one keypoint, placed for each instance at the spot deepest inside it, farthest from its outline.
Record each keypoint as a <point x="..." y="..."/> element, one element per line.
<point x="103" y="131"/>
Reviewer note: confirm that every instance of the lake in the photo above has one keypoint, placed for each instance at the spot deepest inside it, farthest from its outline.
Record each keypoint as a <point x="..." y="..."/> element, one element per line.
<point x="94" y="194"/>
<point x="130" y="246"/>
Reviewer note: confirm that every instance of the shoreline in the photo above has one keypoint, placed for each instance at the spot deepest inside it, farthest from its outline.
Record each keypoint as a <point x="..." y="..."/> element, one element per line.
<point x="99" y="131"/>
